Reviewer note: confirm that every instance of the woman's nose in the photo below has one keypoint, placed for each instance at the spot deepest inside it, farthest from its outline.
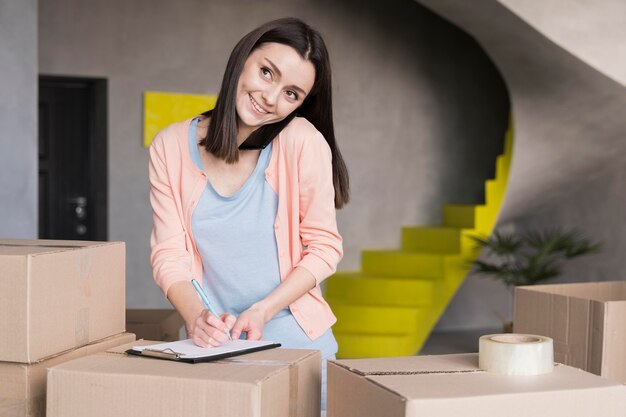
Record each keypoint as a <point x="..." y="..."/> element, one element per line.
<point x="270" y="95"/>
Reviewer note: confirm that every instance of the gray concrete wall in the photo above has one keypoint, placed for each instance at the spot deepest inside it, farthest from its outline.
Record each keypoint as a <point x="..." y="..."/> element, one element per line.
<point x="594" y="31"/>
<point x="419" y="109"/>
<point x="18" y="119"/>
<point x="569" y="157"/>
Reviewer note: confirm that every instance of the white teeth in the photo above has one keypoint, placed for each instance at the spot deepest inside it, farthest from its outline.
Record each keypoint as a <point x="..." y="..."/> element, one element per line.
<point x="256" y="106"/>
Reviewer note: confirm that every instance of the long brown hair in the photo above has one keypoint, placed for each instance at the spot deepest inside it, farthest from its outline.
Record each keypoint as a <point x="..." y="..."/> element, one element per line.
<point x="221" y="138"/>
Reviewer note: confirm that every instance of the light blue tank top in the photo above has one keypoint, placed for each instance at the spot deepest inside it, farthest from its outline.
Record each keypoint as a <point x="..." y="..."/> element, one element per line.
<point x="236" y="241"/>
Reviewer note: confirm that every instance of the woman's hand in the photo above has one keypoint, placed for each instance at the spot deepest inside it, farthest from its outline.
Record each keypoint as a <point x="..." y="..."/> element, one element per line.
<point x="209" y="330"/>
<point x="250" y="321"/>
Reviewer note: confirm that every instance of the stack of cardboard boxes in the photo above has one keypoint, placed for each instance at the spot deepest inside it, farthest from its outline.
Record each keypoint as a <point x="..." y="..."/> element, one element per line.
<point x="588" y="324"/>
<point x="62" y="308"/>
<point x="63" y="343"/>
<point x="59" y="300"/>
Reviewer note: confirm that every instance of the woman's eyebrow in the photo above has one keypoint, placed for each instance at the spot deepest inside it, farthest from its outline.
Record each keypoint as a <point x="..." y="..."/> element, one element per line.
<point x="280" y="74"/>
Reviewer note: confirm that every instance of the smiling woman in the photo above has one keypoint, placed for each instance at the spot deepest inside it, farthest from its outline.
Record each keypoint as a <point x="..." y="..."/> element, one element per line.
<point x="244" y="196"/>
<point x="274" y="82"/>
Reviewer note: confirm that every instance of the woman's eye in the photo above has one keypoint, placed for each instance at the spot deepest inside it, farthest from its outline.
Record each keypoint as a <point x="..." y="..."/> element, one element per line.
<point x="266" y="72"/>
<point x="292" y="95"/>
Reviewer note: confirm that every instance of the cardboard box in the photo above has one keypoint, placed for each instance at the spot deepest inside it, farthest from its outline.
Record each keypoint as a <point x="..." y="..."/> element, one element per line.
<point x="23" y="386"/>
<point x="154" y="324"/>
<point x="275" y="382"/>
<point x="452" y="385"/>
<point x="586" y="320"/>
<point x="58" y="295"/>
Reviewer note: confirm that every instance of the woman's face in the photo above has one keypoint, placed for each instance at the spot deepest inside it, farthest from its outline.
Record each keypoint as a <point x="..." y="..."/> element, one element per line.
<point x="274" y="82"/>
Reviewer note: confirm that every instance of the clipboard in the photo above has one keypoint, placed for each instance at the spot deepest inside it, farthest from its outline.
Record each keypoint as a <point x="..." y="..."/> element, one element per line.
<point x="187" y="351"/>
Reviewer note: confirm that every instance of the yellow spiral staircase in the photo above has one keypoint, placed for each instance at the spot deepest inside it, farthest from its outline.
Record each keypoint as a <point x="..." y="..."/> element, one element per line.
<point x="390" y="307"/>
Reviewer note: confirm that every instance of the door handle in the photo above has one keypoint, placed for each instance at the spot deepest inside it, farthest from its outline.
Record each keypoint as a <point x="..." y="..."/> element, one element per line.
<point x="81" y="206"/>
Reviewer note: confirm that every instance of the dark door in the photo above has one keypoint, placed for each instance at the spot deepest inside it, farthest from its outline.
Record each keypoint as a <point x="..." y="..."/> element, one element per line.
<point x="72" y="158"/>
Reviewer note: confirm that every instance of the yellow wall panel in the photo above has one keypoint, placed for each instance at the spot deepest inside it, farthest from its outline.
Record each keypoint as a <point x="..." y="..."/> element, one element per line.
<point x="163" y="109"/>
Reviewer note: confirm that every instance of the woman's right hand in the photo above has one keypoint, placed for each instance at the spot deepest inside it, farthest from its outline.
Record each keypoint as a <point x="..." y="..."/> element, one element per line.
<point x="209" y="330"/>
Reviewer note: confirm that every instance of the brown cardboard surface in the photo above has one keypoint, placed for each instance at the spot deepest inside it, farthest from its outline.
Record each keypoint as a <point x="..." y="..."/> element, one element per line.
<point x="23" y="386"/>
<point x="598" y="291"/>
<point x="428" y="385"/>
<point x="586" y="320"/>
<point x="154" y="324"/>
<point x="58" y="295"/>
<point x="275" y="382"/>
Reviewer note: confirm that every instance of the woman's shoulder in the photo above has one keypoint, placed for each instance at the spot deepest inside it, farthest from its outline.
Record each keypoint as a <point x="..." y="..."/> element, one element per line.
<point x="171" y="135"/>
<point x="299" y="127"/>
<point x="300" y="132"/>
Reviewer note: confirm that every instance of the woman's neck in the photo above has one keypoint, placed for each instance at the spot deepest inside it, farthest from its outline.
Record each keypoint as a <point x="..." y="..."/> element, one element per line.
<point x="243" y="133"/>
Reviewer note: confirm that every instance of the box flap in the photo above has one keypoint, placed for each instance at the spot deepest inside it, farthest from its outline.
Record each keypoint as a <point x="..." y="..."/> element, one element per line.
<point x="412" y="365"/>
<point x="599" y="291"/>
<point x="22" y="251"/>
<point x="614" y="357"/>
<point x="581" y="319"/>
<point x="12" y="247"/>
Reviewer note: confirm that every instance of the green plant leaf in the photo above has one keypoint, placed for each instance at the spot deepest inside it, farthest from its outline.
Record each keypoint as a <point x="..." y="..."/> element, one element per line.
<point x="532" y="256"/>
<point x="499" y="243"/>
<point x="541" y="271"/>
<point x="508" y="273"/>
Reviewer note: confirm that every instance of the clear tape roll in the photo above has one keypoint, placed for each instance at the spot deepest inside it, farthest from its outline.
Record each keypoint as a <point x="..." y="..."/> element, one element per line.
<point x="516" y="354"/>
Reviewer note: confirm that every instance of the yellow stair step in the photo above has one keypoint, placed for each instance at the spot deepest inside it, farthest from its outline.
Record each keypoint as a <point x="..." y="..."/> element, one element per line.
<point x="437" y="240"/>
<point x="479" y="218"/>
<point x="494" y="191"/>
<point x="402" y="264"/>
<point x="354" y="345"/>
<point x="413" y="265"/>
<point x="357" y="288"/>
<point x="424" y="239"/>
<point x="502" y="167"/>
<point x="462" y="216"/>
<point x="456" y="268"/>
<point x="485" y="219"/>
<point x="352" y="318"/>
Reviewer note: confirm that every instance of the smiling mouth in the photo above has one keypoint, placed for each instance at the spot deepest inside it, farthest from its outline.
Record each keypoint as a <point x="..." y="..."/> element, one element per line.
<point x="256" y="106"/>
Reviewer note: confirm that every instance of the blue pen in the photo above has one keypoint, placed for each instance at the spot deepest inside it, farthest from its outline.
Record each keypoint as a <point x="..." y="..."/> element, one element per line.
<point x="206" y="302"/>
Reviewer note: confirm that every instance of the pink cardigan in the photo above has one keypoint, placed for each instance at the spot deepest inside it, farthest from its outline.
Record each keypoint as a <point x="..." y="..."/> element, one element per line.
<point x="300" y="172"/>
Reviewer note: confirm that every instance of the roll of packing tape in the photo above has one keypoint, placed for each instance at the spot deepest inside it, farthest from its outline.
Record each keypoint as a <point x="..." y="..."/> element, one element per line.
<point x="515" y="354"/>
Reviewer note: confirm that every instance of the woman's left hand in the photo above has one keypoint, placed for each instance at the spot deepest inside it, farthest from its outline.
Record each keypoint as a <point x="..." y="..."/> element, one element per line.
<point x="250" y="321"/>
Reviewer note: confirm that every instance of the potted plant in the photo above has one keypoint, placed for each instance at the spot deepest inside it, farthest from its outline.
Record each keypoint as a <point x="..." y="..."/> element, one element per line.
<point x="529" y="257"/>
